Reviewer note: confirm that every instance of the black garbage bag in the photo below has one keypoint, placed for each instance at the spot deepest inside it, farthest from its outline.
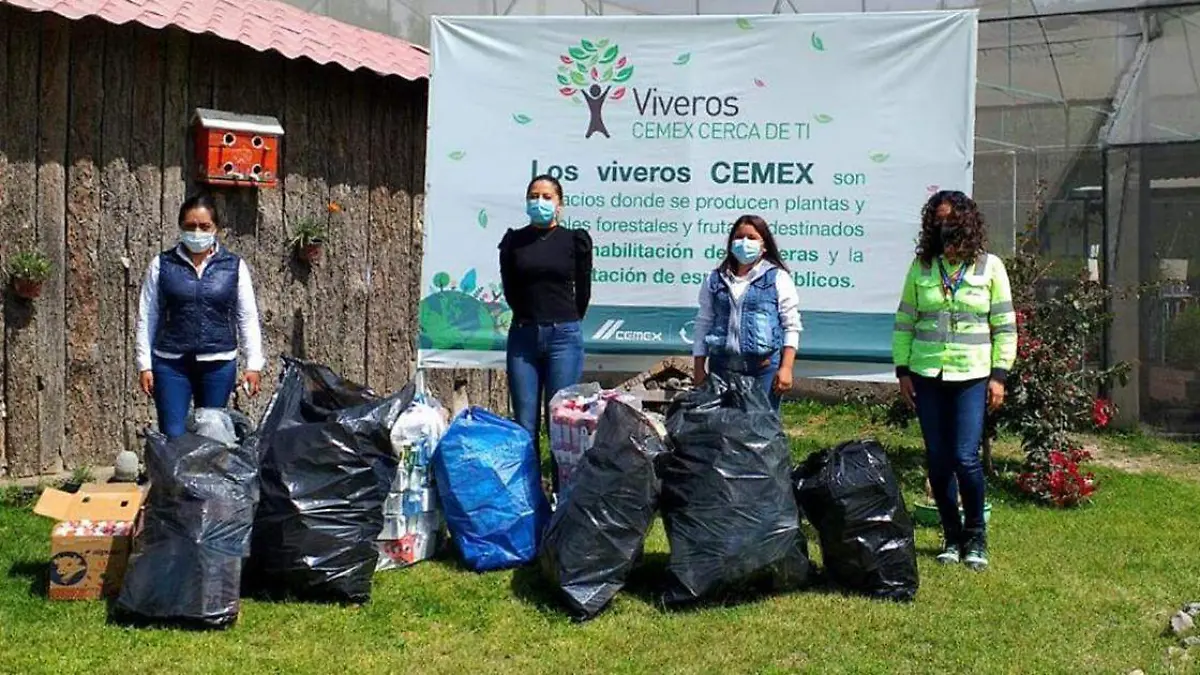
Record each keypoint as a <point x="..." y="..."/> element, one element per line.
<point x="727" y="501"/>
<point x="187" y="568"/>
<point x="852" y="497"/>
<point x="327" y="467"/>
<point x="596" y="535"/>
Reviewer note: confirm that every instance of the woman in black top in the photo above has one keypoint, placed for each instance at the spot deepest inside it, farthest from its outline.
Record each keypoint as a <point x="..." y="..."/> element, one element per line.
<point x="546" y="271"/>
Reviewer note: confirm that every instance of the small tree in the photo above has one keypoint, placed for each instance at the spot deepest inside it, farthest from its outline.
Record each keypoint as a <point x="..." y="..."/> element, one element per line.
<point x="1053" y="390"/>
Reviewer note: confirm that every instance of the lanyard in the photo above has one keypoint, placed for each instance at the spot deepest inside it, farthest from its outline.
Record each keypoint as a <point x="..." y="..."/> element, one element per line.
<point x="950" y="285"/>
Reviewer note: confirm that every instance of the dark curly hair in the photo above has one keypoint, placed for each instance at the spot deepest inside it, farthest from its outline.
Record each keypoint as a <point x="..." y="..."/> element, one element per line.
<point x="970" y="232"/>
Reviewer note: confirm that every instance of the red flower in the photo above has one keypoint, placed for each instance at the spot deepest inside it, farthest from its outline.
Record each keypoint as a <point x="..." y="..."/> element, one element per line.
<point x="1102" y="411"/>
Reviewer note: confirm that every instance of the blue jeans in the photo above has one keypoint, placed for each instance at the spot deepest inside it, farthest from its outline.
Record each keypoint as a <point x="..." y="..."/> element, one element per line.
<point x="952" y="417"/>
<point x="542" y="360"/>
<point x="762" y="370"/>
<point x="180" y="382"/>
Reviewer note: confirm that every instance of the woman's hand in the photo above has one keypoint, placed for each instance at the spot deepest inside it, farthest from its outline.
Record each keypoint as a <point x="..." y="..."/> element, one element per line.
<point x="146" y="381"/>
<point x="253" y="380"/>
<point x="908" y="391"/>
<point x="783" y="381"/>
<point x="995" y="395"/>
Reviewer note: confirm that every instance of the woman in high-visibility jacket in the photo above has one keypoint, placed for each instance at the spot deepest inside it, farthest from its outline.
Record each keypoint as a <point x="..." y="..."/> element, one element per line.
<point x="954" y="341"/>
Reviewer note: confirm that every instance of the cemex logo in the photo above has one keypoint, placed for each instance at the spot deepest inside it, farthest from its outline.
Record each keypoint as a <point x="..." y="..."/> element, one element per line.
<point x="611" y="330"/>
<point x="588" y="74"/>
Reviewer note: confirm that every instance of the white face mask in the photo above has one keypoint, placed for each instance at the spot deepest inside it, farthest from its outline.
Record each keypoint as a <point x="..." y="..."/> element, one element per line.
<point x="197" y="242"/>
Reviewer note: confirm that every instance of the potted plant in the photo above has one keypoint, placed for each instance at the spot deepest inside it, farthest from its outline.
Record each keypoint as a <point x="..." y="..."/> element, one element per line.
<point x="308" y="239"/>
<point x="28" y="270"/>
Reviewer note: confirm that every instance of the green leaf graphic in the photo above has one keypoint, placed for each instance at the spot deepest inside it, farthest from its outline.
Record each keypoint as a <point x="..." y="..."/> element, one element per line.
<point x="457" y="155"/>
<point x="578" y="78"/>
<point x="482" y="218"/>
<point x="577" y="53"/>
<point x="744" y="24"/>
<point x="576" y="100"/>
<point x="879" y="157"/>
<point x="562" y="69"/>
<point x="822" y="118"/>
<point x="587" y="44"/>
<point x="817" y="44"/>
<point x="581" y="67"/>
<point x="563" y="79"/>
<point x="624" y="75"/>
<point x="608" y="74"/>
<point x="602" y="44"/>
<point x="610" y="54"/>
<point x="522" y="118"/>
<point x="683" y="59"/>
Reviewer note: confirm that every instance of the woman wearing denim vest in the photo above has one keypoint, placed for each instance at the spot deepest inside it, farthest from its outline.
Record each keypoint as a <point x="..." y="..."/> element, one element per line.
<point x="749" y="318"/>
<point x="955" y="339"/>
<point x="197" y="307"/>
<point x="546" y="271"/>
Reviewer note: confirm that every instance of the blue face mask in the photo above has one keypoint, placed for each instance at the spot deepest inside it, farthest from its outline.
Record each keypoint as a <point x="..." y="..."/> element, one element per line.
<point x="197" y="242"/>
<point x="540" y="211"/>
<point x="746" y="251"/>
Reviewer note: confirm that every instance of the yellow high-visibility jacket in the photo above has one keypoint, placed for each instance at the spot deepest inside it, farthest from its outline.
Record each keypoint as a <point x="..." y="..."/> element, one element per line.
<point x="969" y="336"/>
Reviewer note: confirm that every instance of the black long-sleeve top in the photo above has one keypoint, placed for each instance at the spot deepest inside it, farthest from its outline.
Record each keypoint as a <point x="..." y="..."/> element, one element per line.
<point x="546" y="273"/>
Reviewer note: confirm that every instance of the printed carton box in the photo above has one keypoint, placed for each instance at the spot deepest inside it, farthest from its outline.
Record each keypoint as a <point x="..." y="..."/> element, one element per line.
<point x="90" y="545"/>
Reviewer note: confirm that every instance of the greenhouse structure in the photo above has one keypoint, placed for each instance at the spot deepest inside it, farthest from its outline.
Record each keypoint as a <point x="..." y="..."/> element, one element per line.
<point x="1088" y="112"/>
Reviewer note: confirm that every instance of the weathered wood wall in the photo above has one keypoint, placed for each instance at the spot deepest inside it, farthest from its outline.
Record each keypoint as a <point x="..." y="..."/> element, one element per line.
<point x="95" y="153"/>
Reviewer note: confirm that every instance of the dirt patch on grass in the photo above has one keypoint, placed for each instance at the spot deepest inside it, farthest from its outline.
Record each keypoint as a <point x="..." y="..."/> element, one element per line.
<point x="1167" y="466"/>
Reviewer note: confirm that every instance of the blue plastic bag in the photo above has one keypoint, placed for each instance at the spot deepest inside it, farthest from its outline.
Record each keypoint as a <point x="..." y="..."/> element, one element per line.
<point x="489" y="481"/>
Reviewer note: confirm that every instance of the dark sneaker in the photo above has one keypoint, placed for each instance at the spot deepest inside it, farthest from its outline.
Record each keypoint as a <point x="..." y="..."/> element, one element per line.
<point x="976" y="554"/>
<point x="949" y="554"/>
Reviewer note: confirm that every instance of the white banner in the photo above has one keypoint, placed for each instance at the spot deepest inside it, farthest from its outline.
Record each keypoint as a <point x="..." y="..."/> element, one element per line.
<point x="833" y="127"/>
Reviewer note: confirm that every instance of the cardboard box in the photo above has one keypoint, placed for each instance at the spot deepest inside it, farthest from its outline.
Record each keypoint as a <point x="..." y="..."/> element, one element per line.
<point x="89" y="549"/>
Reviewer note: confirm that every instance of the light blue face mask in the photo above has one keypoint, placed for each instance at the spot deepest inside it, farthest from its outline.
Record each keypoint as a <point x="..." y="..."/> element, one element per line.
<point x="746" y="250"/>
<point x="196" y="241"/>
<point x="540" y="211"/>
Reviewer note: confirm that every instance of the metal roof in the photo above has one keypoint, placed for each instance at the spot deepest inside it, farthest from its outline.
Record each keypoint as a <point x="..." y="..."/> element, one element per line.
<point x="263" y="25"/>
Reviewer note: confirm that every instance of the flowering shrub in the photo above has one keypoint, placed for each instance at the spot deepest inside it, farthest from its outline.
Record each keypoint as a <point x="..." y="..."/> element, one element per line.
<point x="1060" y="482"/>
<point x="1053" y="388"/>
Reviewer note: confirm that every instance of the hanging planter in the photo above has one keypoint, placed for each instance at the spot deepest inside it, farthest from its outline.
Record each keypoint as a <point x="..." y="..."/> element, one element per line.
<point x="310" y="253"/>
<point x="308" y="240"/>
<point x="28" y="271"/>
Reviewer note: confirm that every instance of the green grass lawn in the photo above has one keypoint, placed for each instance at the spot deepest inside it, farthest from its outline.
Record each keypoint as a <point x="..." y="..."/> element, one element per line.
<point x="1085" y="591"/>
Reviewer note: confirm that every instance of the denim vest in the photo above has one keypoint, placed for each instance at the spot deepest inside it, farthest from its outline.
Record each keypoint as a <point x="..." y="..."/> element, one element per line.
<point x="197" y="314"/>
<point x="760" y="332"/>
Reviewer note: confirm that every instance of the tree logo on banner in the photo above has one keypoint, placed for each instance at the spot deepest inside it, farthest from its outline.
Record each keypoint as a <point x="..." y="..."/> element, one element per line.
<point x="588" y="74"/>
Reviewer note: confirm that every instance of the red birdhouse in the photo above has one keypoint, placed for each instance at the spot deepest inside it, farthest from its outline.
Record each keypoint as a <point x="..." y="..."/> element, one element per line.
<point x="235" y="149"/>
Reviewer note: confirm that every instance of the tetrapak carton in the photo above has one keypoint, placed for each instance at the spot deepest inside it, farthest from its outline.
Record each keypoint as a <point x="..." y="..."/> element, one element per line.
<point x="90" y="544"/>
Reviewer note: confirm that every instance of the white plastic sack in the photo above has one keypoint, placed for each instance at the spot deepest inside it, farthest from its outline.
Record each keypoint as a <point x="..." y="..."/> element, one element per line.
<point x="412" y="521"/>
<point x="574" y="414"/>
<point x="215" y="424"/>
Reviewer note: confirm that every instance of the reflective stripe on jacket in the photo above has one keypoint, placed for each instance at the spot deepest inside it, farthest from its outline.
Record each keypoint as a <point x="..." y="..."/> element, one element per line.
<point x="970" y="336"/>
